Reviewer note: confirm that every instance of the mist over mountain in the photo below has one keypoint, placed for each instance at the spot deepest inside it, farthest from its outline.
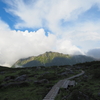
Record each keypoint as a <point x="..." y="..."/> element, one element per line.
<point x="52" y="59"/>
<point x="94" y="53"/>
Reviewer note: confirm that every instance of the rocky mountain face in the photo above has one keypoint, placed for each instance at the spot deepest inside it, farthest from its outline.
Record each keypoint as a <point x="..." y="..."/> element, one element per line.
<point x="52" y="59"/>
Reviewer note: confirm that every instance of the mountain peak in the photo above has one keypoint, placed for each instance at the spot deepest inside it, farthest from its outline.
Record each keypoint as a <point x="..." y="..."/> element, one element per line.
<point x="52" y="59"/>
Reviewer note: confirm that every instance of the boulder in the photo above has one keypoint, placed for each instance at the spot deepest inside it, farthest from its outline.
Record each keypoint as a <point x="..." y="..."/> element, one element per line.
<point x="21" y="78"/>
<point x="8" y="78"/>
<point x="63" y="73"/>
<point x="70" y="72"/>
<point x="99" y="94"/>
<point x="14" y="84"/>
<point x="45" y="73"/>
<point x="2" y="72"/>
<point x="41" y="81"/>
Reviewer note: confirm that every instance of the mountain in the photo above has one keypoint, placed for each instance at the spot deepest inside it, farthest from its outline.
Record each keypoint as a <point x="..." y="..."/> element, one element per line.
<point x="52" y="59"/>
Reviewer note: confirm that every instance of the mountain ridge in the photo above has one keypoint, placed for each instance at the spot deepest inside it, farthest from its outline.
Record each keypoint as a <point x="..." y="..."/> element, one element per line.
<point x="52" y="59"/>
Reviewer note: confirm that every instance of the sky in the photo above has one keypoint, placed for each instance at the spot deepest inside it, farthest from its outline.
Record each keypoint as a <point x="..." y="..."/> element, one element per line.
<point x="32" y="27"/>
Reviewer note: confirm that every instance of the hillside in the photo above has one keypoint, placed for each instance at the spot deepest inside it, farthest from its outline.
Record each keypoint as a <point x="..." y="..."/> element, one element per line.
<point x="52" y="59"/>
<point x="33" y="83"/>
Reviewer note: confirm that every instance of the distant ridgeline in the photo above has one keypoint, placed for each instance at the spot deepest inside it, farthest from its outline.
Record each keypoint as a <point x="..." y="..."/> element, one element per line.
<point x="52" y="59"/>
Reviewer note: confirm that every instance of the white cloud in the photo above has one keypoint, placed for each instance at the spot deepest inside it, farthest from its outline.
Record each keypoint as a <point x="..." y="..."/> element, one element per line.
<point x="94" y="53"/>
<point x="51" y="11"/>
<point x="51" y="15"/>
<point x="85" y="35"/>
<point x="19" y="44"/>
<point x="65" y="46"/>
<point x="3" y="25"/>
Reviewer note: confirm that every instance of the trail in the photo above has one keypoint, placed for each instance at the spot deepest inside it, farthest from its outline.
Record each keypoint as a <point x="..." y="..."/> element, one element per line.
<point x="61" y="84"/>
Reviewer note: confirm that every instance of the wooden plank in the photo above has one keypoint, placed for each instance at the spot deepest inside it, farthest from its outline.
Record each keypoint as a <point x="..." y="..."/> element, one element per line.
<point x="65" y="81"/>
<point x="55" y="93"/>
<point x="60" y="83"/>
<point x="48" y="99"/>
<point x="65" y="84"/>
<point x="49" y="94"/>
<point x="76" y="75"/>
<point x="52" y="94"/>
<point x="71" y="83"/>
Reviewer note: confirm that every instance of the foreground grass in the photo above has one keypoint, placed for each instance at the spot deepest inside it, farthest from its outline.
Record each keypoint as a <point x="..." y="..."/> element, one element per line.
<point x="87" y="88"/>
<point x="33" y="91"/>
<point x="25" y="93"/>
<point x="88" y="85"/>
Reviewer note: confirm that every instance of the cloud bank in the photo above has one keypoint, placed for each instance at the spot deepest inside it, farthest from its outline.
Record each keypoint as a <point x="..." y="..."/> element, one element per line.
<point x="94" y="53"/>
<point x="73" y="27"/>
<point x="74" y="19"/>
<point x="19" y="44"/>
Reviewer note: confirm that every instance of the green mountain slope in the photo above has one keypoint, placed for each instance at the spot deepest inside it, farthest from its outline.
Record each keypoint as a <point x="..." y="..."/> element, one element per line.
<point x="52" y="59"/>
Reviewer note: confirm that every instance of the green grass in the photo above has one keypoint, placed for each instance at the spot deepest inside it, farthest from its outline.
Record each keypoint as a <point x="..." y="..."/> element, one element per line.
<point x="25" y="93"/>
<point x="43" y="59"/>
<point x="33" y="91"/>
<point x="88" y="84"/>
<point x="87" y="87"/>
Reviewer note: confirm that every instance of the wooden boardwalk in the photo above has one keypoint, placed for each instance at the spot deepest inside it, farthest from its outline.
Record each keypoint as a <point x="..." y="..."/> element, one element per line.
<point x="61" y="84"/>
<point x="65" y="84"/>
<point x="71" y="83"/>
<point x="52" y="94"/>
<point x="54" y="91"/>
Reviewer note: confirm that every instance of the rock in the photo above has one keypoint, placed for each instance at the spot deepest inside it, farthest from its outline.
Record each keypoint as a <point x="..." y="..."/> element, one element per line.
<point x="14" y="84"/>
<point x="2" y="72"/>
<point x="79" y="67"/>
<point x="21" y="78"/>
<point x="29" y="80"/>
<point x="85" y="76"/>
<point x="63" y="73"/>
<point x="70" y="72"/>
<point x="45" y="73"/>
<point x="99" y="94"/>
<point x="38" y="67"/>
<point x="41" y="81"/>
<point x="64" y="98"/>
<point x="8" y="78"/>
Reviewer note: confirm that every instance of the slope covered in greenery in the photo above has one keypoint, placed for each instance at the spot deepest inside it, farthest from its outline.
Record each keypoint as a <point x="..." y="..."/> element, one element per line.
<point x="33" y="83"/>
<point x="88" y="85"/>
<point x="52" y="59"/>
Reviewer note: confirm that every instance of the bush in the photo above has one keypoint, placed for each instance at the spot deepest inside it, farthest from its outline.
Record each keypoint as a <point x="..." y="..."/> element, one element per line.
<point x="49" y="76"/>
<point x="23" y="72"/>
<point x="78" y="95"/>
<point x="96" y="73"/>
